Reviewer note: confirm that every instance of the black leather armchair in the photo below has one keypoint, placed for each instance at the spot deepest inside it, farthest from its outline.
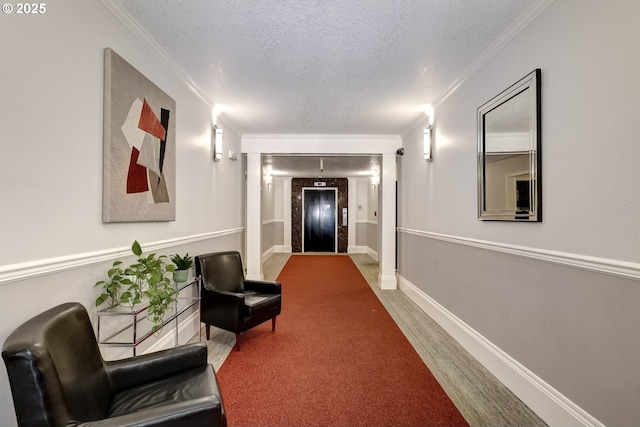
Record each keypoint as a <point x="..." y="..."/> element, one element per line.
<point x="58" y="378"/>
<point x="229" y="301"/>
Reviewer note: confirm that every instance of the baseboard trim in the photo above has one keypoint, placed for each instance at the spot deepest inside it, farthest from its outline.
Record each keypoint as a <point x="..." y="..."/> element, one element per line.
<point x="627" y="270"/>
<point x="550" y="405"/>
<point x="28" y="270"/>
<point x="363" y="250"/>
<point x="388" y="282"/>
<point x="168" y="340"/>
<point x="267" y="254"/>
<point x="276" y="249"/>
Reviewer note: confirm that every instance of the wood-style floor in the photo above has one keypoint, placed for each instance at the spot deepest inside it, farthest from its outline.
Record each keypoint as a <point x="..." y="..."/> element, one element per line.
<point x="478" y="395"/>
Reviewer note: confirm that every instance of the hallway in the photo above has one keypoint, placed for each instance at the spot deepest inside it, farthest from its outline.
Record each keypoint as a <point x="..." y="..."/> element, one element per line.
<point x="479" y="396"/>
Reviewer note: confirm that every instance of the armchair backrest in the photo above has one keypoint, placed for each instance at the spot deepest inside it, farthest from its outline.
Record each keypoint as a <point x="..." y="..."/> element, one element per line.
<point x="221" y="271"/>
<point x="55" y="369"/>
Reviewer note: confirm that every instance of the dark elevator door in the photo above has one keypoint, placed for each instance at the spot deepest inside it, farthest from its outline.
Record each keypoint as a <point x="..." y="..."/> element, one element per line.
<point x="319" y="221"/>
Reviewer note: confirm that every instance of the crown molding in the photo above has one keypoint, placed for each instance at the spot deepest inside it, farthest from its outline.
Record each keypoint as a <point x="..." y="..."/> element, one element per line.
<point x="119" y="11"/>
<point x="320" y="144"/>
<point x="514" y="29"/>
<point x="226" y="124"/>
<point x="419" y="122"/>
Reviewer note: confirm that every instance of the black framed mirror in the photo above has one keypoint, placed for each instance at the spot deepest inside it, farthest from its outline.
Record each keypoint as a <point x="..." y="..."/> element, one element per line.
<point x="509" y="139"/>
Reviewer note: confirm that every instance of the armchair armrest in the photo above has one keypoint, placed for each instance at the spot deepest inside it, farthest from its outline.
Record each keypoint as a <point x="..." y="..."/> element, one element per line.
<point x="226" y="295"/>
<point x="127" y="373"/>
<point x="204" y="411"/>
<point x="263" y="286"/>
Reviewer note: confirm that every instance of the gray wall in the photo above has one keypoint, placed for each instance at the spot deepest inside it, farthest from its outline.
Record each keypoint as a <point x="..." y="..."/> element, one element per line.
<point x="569" y="326"/>
<point x="573" y="328"/>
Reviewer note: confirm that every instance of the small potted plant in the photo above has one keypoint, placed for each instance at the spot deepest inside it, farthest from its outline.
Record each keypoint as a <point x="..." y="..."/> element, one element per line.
<point x="183" y="264"/>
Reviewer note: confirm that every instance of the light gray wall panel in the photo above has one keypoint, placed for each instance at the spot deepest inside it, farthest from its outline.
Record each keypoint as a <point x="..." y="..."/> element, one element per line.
<point x="361" y="234"/>
<point x="268" y="235"/>
<point x="575" y="329"/>
<point x="372" y="236"/>
<point x="278" y="233"/>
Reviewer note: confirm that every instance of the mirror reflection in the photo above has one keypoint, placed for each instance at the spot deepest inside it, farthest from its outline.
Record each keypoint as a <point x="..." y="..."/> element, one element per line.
<point x="508" y="154"/>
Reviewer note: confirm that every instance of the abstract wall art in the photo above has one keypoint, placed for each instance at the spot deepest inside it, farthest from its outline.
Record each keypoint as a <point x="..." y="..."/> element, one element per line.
<point x="139" y="146"/>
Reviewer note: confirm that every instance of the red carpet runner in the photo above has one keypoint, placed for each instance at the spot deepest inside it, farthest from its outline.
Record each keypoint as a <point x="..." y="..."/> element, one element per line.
<point x="336" y="359"/>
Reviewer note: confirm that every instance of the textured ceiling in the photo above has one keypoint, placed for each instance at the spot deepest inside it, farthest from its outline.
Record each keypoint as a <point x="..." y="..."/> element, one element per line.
<point x="325" y="66"/>
<point x="321" y="166"/>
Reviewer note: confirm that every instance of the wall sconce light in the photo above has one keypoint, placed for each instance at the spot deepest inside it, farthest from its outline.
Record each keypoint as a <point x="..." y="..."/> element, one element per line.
<point x="269" y="179"/>
<point x="216" y="143"/>
<point x="427" y="143"/>
<point x="375" y="179"/>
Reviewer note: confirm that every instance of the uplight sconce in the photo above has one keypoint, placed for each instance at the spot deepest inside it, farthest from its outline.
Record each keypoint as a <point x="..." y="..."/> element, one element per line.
<point x="217" y="143"/>
<point x="269" y="179"/>
<point x="427" y="143"/>
<point x="375" y="179"/>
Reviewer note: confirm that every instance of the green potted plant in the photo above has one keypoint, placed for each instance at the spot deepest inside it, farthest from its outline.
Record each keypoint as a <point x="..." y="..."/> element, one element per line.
<point x="112" y="288"/>
<point x="182" y="264"/>
<point x="144" y="279"/>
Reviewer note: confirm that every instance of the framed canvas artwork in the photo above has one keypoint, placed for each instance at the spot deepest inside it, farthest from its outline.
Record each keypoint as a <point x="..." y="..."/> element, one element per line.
<point x="139" y="170"/>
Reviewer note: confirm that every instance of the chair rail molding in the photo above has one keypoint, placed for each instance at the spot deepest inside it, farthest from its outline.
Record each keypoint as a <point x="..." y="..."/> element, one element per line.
<point x="272" y="221"/>
<point x="624" y="269"/>
<point x="366" y="221"/>
<point x="26" y="270"/>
